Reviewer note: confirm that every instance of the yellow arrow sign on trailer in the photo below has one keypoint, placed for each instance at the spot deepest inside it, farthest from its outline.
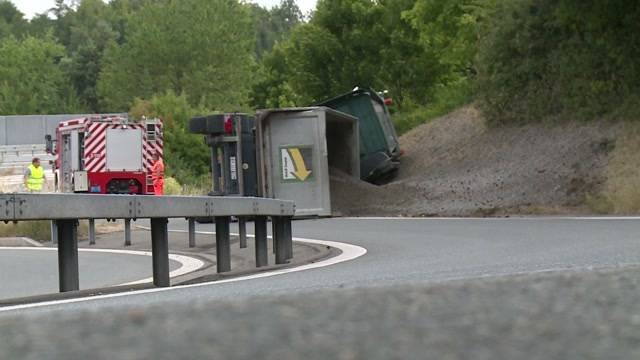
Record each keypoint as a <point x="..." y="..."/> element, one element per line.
<point x="302" y="173"/>
<point x="296" y="163"/>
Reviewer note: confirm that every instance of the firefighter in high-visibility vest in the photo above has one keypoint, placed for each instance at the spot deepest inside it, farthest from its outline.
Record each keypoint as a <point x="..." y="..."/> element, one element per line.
<point x="34" y="179"/>
<point x="157" y="174"/>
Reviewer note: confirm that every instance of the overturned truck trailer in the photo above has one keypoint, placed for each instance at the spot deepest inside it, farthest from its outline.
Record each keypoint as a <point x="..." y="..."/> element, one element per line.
<point x="298" y="148"/>
<point x="281" y="153"/>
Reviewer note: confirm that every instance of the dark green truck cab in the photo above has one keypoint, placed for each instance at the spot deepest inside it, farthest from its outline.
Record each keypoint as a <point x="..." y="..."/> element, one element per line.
<point x="379" y="147"/>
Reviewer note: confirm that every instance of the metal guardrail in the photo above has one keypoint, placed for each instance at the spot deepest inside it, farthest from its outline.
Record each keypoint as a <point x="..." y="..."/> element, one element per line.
<point x="18" y="157"/>
<point x="23" y="148"/>
<point x="66" y="209"/>
<point x="18" y="151"/>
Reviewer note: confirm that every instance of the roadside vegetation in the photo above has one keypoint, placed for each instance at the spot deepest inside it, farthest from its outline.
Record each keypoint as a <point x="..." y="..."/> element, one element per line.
<point x="621" y="191"/>
<point x="518" y="61"/>
<point x="173" y="187"/>
<point x="36" y="230"/>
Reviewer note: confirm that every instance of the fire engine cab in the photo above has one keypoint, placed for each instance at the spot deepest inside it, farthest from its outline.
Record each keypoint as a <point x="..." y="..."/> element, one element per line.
<point x="105" y="155"/>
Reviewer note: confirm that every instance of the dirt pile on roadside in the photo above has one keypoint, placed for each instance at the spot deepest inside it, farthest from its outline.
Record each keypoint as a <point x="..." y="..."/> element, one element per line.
<point x="457" y="166"/>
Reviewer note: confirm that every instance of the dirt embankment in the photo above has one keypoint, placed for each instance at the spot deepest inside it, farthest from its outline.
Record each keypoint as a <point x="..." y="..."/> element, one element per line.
<point x="457" y="166"/>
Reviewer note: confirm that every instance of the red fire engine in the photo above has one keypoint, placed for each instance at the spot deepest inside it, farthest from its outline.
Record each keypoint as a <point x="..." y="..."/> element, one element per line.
<point x="105" y="155"/>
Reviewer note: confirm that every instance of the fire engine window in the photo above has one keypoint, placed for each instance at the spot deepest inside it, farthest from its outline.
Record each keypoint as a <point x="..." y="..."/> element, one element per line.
<point x="151" y="132"/>
<point x="81" y="151"/>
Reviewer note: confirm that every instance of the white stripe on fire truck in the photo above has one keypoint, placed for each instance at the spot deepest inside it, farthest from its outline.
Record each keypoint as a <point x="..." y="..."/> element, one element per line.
<point x="96" y="138"/>
<point x="93" y="163"/>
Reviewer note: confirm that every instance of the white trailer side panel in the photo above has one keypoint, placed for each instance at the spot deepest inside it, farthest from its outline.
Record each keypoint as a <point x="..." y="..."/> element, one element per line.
<point x="124" y="149"/>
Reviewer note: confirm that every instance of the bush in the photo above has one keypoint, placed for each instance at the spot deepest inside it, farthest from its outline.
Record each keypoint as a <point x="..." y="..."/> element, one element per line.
<point x="36" y="230"/>
<point x="621" y="192"/>
<point x="172" y="186"/>
<point x="446" y="99"/>
<point x="186" y="155"/>
<point x="549" y="59"/>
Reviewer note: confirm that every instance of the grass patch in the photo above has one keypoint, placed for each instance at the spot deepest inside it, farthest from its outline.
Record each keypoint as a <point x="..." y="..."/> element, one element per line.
<point x="198" y="188"/>
<point x="36" y="230"/>
<point x="172" y="186"/>
<point x="600" y="204"/>
<point x="621" y="191"/>
<point x="446" y="99"/>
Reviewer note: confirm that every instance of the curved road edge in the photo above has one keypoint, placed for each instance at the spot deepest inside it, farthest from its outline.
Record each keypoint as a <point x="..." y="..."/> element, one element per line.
<point x="348" y="252"/>
<point x="188" y="264"/>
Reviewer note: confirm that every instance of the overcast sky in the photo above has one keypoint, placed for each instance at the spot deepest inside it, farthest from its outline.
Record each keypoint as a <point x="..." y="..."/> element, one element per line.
<point x="32" y="7"/>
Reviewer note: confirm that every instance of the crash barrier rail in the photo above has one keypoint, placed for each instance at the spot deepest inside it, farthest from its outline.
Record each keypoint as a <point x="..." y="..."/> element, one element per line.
<point x="29" y="148"/>
<point x="66" y="209"/>
<point x="22" y="151"/>
<point x="18" y="157"/>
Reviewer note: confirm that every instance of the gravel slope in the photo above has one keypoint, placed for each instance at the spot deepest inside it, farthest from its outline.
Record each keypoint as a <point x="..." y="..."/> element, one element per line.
<point x="456" y="166"/>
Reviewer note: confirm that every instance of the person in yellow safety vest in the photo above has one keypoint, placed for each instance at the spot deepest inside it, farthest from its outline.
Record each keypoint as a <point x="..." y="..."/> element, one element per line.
<point x="34" y="178"/>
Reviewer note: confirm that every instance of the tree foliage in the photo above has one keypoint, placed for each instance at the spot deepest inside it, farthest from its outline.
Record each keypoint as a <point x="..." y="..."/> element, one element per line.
<point x="31" y="78"/>
<point x="12" y="21"/>
<point x="383" y="44"/>
<point x="274" y="25"/>
<point x="450" y="30"/>
<point x="186" y="155"/>
<point x="89" y="34"/>
<point x="546" y="59"/>
<point x="202" y="48"/>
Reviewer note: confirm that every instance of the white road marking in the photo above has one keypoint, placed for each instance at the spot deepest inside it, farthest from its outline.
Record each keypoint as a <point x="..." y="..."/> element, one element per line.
<point x="31" y="242"/>
<point x="349" y="252"/>
<point x="187" y="264"/>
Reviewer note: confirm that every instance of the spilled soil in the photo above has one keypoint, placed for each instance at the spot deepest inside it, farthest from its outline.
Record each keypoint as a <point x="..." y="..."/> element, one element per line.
<point x="457" y="166"/>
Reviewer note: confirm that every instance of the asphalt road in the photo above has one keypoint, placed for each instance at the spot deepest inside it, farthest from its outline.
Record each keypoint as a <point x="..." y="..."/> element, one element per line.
<point x="34" y="271"/>
<point x="417" y="252"/>
<point x="426" y="289"/>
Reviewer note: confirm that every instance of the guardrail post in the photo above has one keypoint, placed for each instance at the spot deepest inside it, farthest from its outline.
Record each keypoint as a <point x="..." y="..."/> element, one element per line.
<point x="262" y="253"/>
<point x="288" y="236"/>
<point x="279" y="237"/>
<point x="92" y="231"/>
<point x="273" y="234"/>
<point x="68" y="277"/>
<point x="127" y="232"/>
<point x="223" y="244"/>
<point x="160" y="252"/>
<point x="242" y="230"/>
<point x="54" y="232"/>
<point x="192" y="233"/>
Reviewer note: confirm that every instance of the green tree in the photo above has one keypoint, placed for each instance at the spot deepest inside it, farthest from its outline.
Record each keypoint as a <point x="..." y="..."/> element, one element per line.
<point x="41" y="25"/>
<point x="186" y="155"/>
<point x="12" y="21"/>
<point x="31" y="79"/>
<point x="90" y="32"/>
<point x="450" y="29"/>
<point x="201" y="48"/>
<point x="350" y="43"/>
<point x="549" y="59"/>
<point x="274" y="25"/>
<point x="273" y="89"/>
